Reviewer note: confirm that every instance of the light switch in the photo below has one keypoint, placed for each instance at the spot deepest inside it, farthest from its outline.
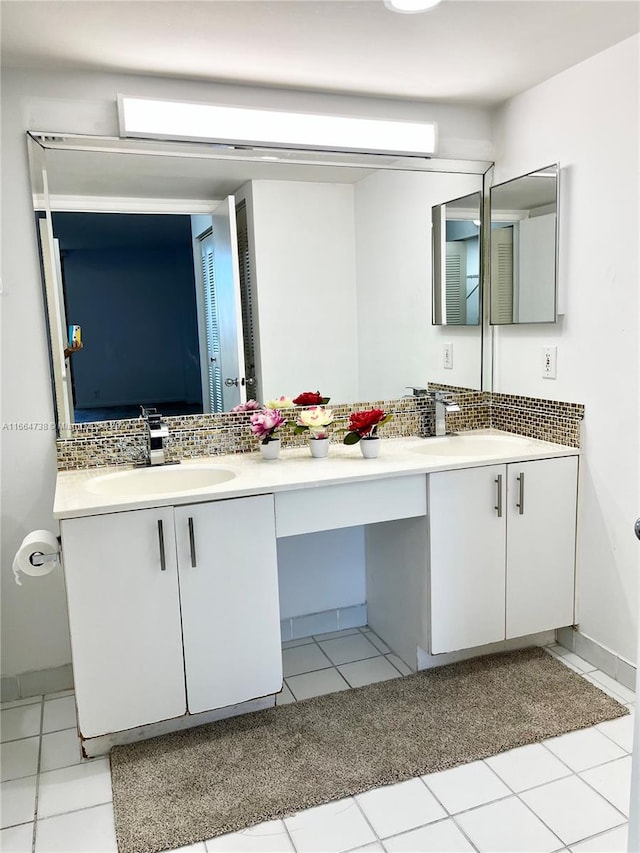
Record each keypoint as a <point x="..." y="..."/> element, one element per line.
<point x="447" y="356"/>
<point x="549" y="358"/>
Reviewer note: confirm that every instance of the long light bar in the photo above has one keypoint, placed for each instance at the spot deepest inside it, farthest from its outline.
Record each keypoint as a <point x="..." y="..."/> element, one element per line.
<point x="153" y="119"/>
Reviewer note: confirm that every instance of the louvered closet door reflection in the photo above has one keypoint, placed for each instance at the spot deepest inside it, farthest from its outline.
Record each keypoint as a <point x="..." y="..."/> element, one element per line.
<point x="502" y="272"/>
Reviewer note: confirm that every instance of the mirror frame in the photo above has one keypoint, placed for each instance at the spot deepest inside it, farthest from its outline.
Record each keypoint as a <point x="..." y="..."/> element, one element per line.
<point x="39" y="142"/>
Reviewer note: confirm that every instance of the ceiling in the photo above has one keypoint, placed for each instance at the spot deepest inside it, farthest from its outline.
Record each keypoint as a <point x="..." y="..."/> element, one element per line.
<point x="478" y="52"/>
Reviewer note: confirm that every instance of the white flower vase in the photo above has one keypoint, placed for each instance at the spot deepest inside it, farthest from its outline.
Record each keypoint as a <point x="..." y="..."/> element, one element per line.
<point x="370" y="447"/>
<point x="319" y="447"/>
<point x="270" y="450"/>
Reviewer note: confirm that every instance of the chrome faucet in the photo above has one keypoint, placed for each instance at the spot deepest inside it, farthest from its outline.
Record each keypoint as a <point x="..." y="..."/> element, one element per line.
<point x="443" y="404"/>
<point x="157" y="430"/>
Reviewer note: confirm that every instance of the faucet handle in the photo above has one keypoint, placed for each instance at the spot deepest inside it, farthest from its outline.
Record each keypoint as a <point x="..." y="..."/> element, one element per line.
<point x="416" y="390"/>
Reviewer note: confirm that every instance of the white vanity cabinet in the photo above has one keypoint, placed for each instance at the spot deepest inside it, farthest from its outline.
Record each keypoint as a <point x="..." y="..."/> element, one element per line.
<point x="156" y="600"/>
<point x="502" y="551"/>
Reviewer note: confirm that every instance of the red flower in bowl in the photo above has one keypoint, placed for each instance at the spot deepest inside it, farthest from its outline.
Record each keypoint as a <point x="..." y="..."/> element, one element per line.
<point x="365" y="425"/>
<point x="310" y="398"/>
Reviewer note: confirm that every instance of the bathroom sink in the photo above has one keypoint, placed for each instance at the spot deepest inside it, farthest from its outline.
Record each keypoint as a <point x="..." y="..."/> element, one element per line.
<point x="473" y="445"/>
<point x="172" y="479"/>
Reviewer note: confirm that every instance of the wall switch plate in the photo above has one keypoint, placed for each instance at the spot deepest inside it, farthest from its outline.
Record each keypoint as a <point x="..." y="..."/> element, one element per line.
<point x="447" y="356"/>
<point x="549" y="359"/>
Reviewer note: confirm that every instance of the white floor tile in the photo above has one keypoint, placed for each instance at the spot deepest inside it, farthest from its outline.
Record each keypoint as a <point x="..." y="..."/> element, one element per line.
<point x="316" y="683"/>
<point x="620" y="731"/>
<point x="368" y="671"/>
<point x="301" y="641"/>
<point x="399" y="664"/>
<point x="77" y="787"/>
<point x="78" y="832"/>
<point x="378" y="643"/>
<point x="192" y="848"/>
<point x="527" y="766"/>
<point x="613" y="781"/>
<point x="285" y="697"/>
<point x="613" y="841"/>
<point x="441" y="837"/>
<point x="17" y="801"/>
<point x="374" y="847"/>
<point x="397" y="808"/>
<point x="578" y="663"/>
<point x="60" y="749"/>
<point x="347" y="649"/>
<point x="17" y="703"/>
<point x="615" y="686"/>
<point x="268" y="837"/>
<point x="584" y="748"/>
<point x="610" y="686"/>
<point x="507" y="827"/>
<point x="466" y="786"/>
<point x="330" y="635"/>
<point x="307" y="658"/>
<point x="59" y="714"/>
<point x="572" y="809"/>
<point x="19" y="758"/>
<point x="60" y="695"/>
<point x="17" y="839"/>
<point x="20" y="722"/>
<point x="331" y="828"/>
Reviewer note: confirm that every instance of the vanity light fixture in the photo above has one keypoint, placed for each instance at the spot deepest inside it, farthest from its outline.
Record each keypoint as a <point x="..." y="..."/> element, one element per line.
<point x="410" y="6"/>
<point x="154" y="119"/>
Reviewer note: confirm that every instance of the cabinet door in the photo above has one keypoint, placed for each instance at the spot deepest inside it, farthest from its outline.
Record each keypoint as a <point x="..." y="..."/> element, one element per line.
<point x="467" y="557"/>
<point x="124" y="618"/>
<point x="541" y="532"/>
<point x="229" y="592"/>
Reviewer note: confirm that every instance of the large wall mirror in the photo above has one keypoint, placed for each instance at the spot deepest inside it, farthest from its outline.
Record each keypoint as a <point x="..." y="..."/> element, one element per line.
<point x="457" y="261"/>
<point x="524" y="248"/>
<point x="202" y="276"/>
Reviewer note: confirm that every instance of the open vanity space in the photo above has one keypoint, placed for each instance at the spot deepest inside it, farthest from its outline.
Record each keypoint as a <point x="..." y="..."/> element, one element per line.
<point x="174" y="592"/>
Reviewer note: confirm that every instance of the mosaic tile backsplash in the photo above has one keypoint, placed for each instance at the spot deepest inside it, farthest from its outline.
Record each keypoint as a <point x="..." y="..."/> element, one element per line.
<point x="124" y="442"/>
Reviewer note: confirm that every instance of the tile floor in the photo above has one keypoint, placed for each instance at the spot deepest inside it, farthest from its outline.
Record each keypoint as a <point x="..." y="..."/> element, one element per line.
<point x="569" y="793"/>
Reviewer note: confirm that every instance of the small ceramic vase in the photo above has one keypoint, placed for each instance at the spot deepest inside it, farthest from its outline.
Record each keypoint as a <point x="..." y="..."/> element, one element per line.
<point x="270" y="450"/>
<point x="319" y="447"/>
<point x="370" y="447"/>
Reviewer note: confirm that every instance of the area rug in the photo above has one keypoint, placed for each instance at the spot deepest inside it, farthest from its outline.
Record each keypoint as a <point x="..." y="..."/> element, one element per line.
<point x="186" y="787"/>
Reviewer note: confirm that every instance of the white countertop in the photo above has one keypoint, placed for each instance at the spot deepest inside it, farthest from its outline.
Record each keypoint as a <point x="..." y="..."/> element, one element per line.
<point x="295" y="469"/>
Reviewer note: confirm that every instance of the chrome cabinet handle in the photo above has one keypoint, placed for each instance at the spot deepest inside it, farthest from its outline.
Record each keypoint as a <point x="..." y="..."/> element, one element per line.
<point x="520" y="502"/>
<point x="498" y="506"/>
<point x="192" y="543"/>
<point x="163" y="558"/>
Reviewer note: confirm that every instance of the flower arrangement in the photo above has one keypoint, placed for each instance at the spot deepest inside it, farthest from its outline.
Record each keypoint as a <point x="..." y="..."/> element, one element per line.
<point x="315" y="419"/>
<point x="365" y="425"/>
<point x="265" y="423"/>
<point x="249" y="406"/>
<point x="310" y="398"/>
<point x="280" y="403"/>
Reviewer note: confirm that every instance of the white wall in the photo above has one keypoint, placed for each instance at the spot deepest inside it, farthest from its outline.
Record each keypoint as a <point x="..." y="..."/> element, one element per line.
<point x="305" y="286"/>
<point x="587" y="119"/>
<point x="34" y="621"/>
<point x="398" y="346"/>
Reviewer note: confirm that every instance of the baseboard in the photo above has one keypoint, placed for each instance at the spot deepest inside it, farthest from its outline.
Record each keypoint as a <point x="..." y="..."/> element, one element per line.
<point x="323" y="622"/>
<point x="600" y="656"/>
<point x="427" y="661"/>
<point x="35" y="683"/>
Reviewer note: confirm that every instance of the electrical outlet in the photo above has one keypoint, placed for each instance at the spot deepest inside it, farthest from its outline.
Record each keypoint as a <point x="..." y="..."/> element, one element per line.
<point x="447" y="356"/>
<point x="549" y="358"/>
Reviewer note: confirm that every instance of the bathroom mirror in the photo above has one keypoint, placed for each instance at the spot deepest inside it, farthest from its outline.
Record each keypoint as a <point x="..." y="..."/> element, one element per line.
<point x="202" y="276"/>
<point x="524" y="248"/>
<point x="457" y="260"/>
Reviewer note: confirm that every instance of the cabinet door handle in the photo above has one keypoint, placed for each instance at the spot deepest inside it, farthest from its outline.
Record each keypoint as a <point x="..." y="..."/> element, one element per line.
<point x="498" y="506"/>
<point x="192" y="543"/>
<point x="163" y="558"/>
<point x="520" y="503"/>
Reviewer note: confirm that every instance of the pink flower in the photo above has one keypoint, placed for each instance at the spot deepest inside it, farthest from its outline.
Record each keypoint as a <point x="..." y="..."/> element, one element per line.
<point x="265" y="422"/>
<point x="249" y="406"/>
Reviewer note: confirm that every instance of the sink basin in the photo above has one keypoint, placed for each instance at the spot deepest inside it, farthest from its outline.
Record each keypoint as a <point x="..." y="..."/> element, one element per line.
<point x="172" y="479"/>
<point x="473" y="445"/>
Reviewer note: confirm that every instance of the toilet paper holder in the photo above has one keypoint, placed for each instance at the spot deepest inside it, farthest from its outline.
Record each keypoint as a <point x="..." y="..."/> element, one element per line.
<point x="39" y="559"/>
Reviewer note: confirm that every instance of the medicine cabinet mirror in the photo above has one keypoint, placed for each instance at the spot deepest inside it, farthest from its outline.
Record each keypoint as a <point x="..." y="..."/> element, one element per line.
<point x="202" y="276"/>
<point x="456" y="229"/>
<point x="524" y="248"/>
